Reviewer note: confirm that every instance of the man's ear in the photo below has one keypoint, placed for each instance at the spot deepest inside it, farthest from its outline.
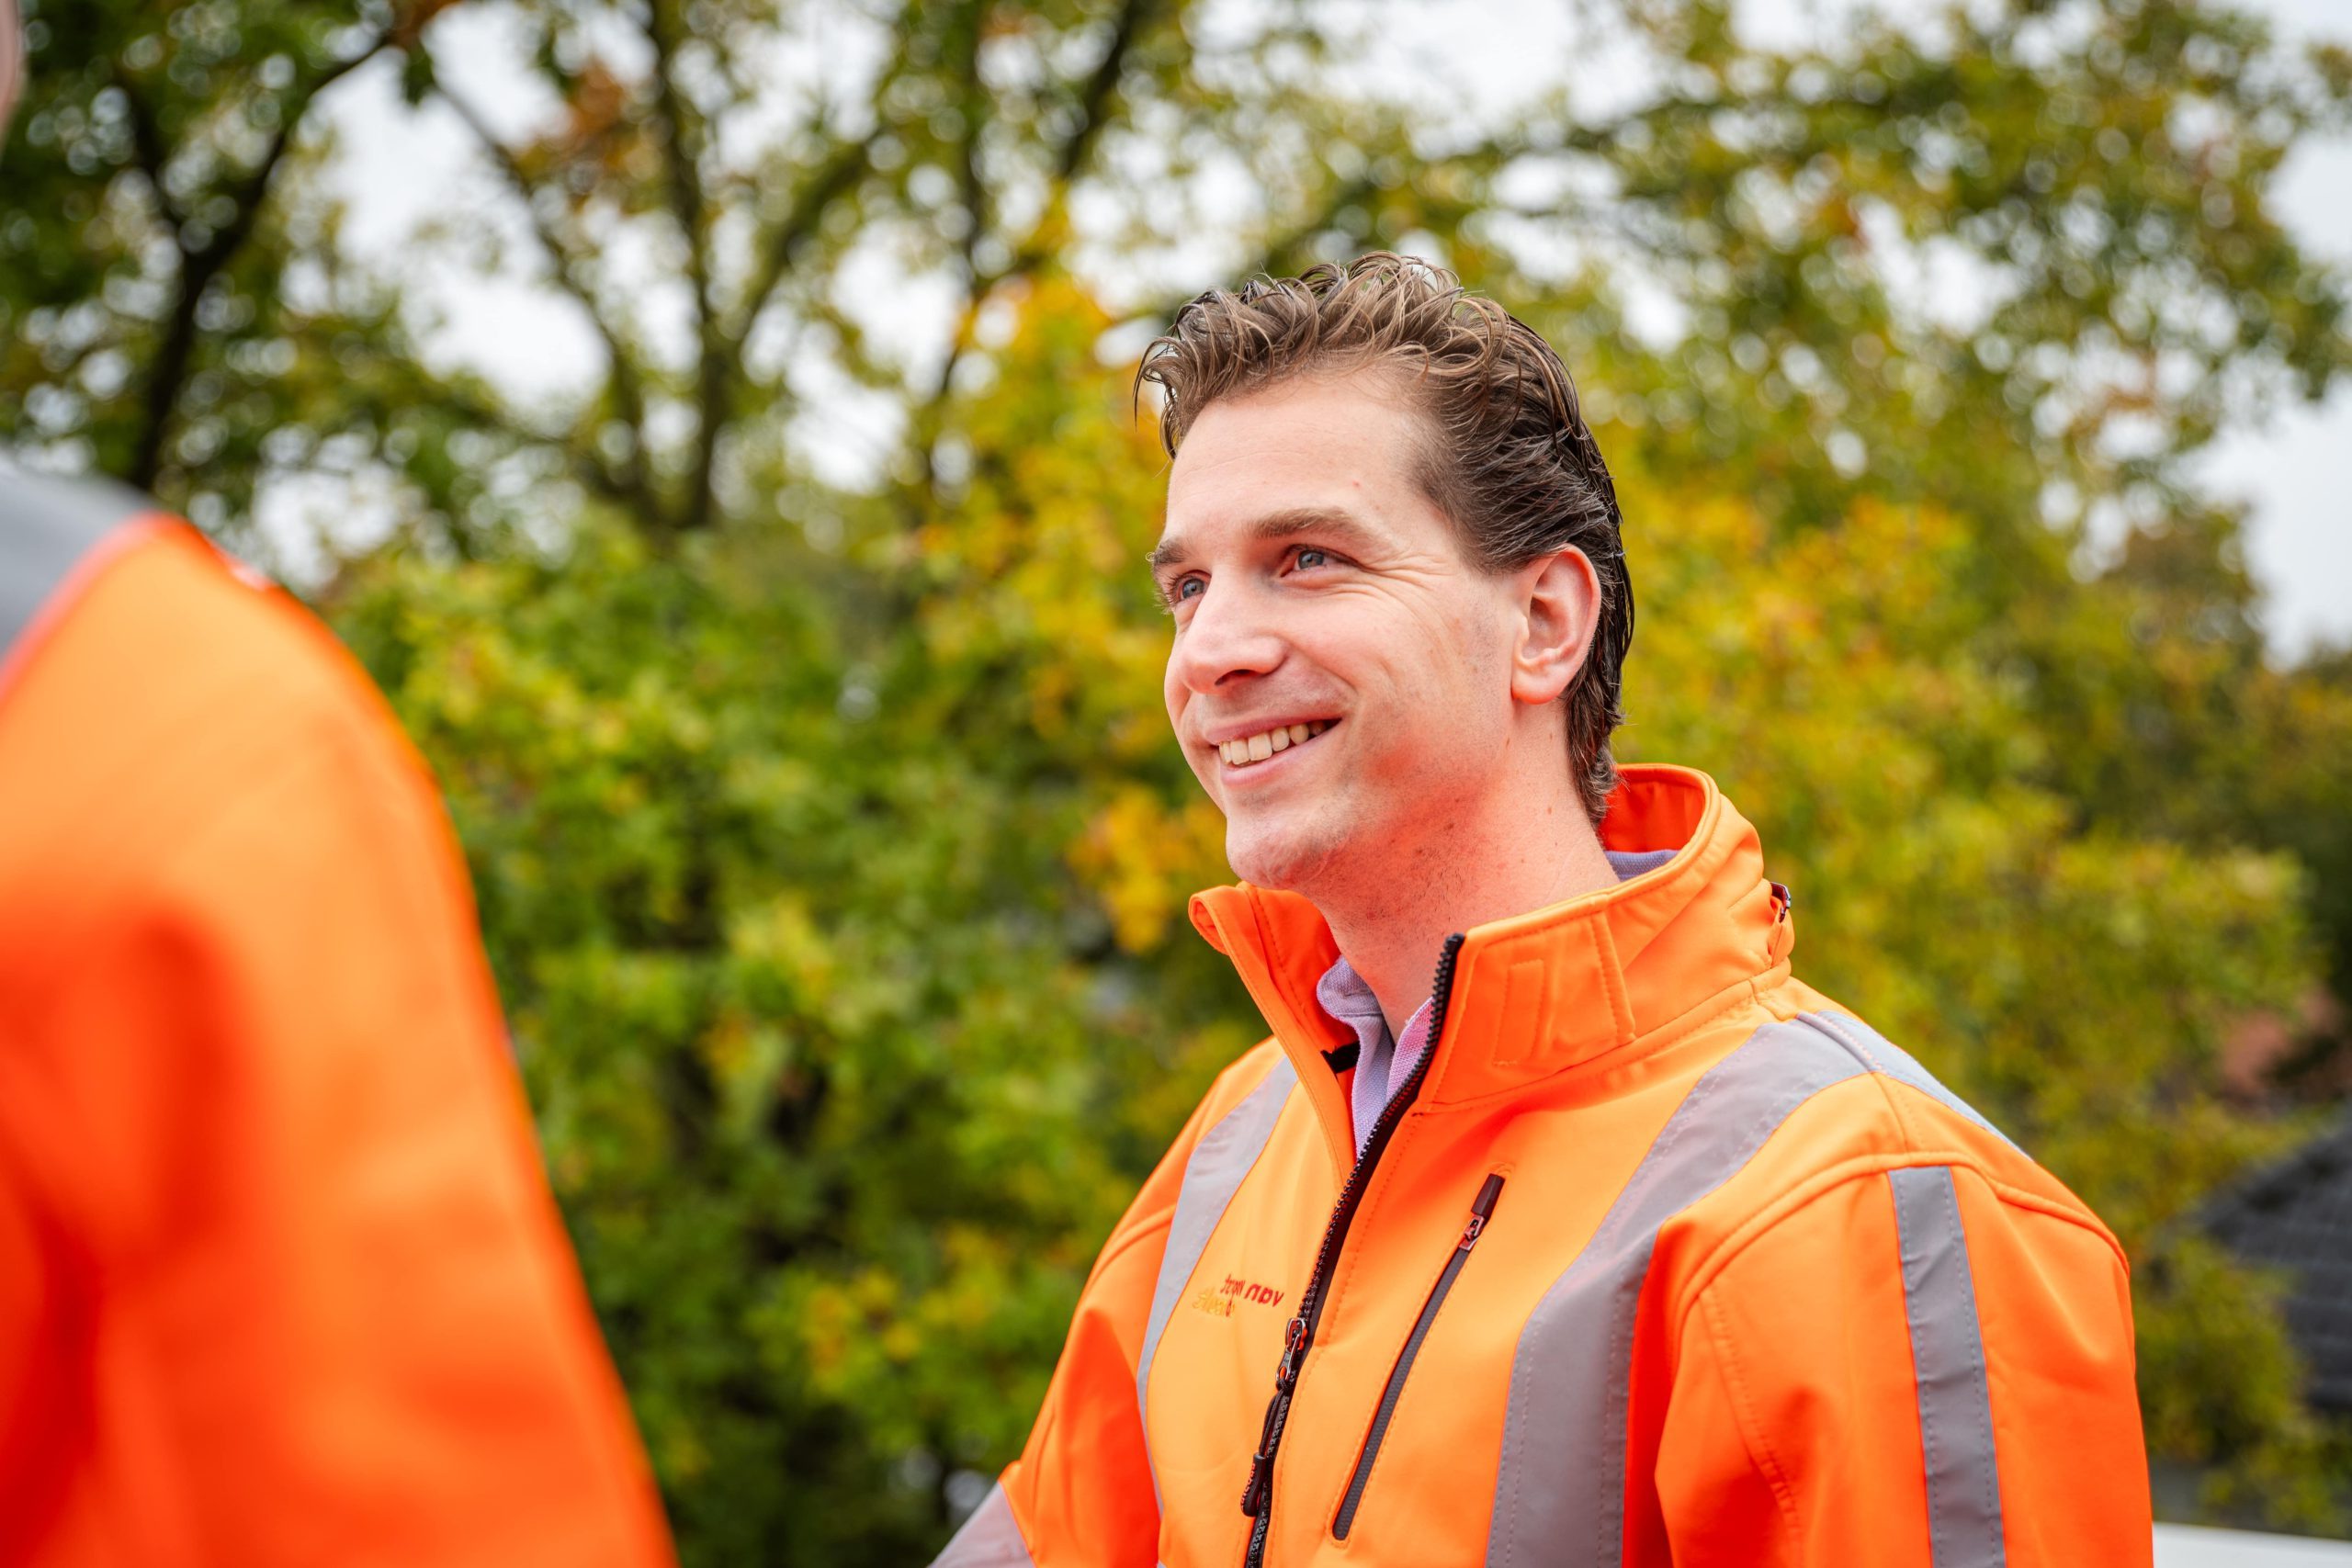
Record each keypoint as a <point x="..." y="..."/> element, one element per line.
<point x="1558" y="609"/>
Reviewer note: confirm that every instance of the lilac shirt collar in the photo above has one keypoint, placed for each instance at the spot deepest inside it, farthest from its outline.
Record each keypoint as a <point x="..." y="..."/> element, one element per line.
<point x="1382" y="1064"/>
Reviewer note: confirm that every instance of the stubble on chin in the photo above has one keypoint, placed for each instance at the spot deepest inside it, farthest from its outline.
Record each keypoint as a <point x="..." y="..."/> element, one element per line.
<point x="1300" y="855"/>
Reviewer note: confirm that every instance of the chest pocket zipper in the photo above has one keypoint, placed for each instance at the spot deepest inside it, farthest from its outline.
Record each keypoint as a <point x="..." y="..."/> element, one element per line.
<point x="1481" y="1208"/>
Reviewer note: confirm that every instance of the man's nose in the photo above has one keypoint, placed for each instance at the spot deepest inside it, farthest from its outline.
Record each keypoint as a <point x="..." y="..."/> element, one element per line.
<point x="1228" y="635"/>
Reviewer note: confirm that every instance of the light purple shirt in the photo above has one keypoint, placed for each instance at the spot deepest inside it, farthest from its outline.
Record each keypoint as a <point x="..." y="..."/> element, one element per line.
<point x="1383" y="1065"/>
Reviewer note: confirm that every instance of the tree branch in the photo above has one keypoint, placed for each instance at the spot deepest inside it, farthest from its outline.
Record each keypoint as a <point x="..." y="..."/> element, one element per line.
<point x="972" y="25"/>
<point x="202" y="263"/>
<point x="1093" y="105"/>
<point x="1095" y="99"/>
<point x="1093" y="116"/>
<point x="682" y="164"/>
<point x="833" y="178"/>
<point x="627" y="481"/>
<point x="251" y="196"/>
<point x="798" y="225"/>
<point x="486" y="414"/>
<point x="147" y="144"/>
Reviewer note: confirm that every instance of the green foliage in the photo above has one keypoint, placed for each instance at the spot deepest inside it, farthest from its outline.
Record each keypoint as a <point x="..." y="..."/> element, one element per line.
<point x="829" y="847"/>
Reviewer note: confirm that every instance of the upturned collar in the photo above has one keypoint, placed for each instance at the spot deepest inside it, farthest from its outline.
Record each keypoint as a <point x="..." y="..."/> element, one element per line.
<point x="1550" y="990"/>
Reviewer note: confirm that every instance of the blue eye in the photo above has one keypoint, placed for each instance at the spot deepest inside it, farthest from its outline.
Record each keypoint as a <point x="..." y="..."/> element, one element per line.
<point x="1191" y="587"/>
<point x="1313" y="558"/>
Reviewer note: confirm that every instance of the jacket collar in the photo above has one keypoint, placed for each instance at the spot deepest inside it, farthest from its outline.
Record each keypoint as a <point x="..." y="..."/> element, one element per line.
<point x="1546" y="991"/>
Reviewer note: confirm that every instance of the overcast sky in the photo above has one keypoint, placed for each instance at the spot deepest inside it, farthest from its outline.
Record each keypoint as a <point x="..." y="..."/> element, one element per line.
<point x="401" y="168"/>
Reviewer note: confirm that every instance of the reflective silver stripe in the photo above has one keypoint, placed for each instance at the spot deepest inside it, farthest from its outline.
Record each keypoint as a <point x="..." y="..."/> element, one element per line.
<point x="1886" y="1057"/>
<point x="47" y="526"/>
<point x="990" y="1539"/>
<point x="1947" y="1357"/>
<point x="1560" y="1494"/>
<point x="1212" y="1176"/>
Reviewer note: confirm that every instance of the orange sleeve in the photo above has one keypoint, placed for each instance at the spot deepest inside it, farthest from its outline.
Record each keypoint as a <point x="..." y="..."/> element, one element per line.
<point x="1913" y="1367"/>
<point x="306" y="1298"/>
<point x="1081" y="1492"/>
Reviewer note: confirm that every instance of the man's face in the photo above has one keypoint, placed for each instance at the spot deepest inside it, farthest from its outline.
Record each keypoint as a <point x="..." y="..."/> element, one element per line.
<point x="1317" y="591"/>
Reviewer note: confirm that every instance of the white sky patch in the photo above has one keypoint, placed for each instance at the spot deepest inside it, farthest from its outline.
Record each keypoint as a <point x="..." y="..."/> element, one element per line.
<point x="313" y="521"/>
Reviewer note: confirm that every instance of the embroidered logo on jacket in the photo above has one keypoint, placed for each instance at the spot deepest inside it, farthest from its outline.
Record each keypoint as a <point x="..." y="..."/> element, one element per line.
<point x="1218" y="1301"/>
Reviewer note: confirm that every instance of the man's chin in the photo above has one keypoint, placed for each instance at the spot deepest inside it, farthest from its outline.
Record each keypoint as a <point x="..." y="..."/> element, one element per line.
<point x="1288" y="857"/>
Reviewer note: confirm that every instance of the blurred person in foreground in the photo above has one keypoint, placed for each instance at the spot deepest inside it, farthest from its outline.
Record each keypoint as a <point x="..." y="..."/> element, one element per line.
<point x="1616" y="1244"/>
<point x="280" y="1279"/>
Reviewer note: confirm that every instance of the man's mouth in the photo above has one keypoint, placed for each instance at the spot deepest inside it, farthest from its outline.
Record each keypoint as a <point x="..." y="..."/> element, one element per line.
<point x="1257" y="748"/>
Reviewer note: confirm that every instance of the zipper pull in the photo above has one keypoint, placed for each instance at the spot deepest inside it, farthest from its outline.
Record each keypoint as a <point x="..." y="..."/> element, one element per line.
<point x="1481" y="1208"/>
<point x="1293" y="1341"/>
<point x="1262" y="1463"/>
<point x="1253" y="1496"/>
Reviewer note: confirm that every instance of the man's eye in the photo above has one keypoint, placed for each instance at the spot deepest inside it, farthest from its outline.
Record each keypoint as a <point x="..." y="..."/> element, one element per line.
<point x="1313" y="558"/>
<point x="1191" y="587"/>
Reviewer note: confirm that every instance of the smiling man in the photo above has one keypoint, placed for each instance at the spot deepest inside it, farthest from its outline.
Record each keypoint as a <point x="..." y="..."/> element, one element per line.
<point x="1613" y="1243"/>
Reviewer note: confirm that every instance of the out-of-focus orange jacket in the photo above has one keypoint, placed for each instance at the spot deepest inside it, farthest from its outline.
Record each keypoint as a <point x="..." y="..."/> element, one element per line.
<point x="1659" y="1257"/>
<point x="280" y="1279"/>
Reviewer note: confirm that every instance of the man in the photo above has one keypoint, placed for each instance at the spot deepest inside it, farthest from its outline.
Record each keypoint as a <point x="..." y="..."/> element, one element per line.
<point x="281" y="1281"/>
<point x="1614" y="1244"/>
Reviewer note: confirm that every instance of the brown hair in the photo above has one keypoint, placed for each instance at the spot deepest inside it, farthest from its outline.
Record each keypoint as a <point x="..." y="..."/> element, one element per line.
<point x="1510" y="461"/>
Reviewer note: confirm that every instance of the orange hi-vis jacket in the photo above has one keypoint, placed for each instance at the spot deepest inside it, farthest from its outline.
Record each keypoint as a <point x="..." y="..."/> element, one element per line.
<point x="281" y="1283"/>
<point x="1659" y="1257"/>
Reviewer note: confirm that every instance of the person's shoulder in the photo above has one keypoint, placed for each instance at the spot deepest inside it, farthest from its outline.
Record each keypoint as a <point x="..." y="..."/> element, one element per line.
<point x="169" y="694"/>
<point x="1852" y="1105"/>
<point x="1833" y="1152"/>
<point x="208" y="669"/>
<point x="255" y="633"/>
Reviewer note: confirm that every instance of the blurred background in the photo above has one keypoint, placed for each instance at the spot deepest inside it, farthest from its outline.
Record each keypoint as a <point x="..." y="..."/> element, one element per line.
<point x="710" y="421"/>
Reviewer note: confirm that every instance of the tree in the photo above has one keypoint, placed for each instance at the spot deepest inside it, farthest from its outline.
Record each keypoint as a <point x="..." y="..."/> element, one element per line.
<point x="826" y="843"/>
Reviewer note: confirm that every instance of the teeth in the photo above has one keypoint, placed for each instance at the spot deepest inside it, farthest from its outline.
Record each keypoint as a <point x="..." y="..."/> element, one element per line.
<point x="1257" y="748"/>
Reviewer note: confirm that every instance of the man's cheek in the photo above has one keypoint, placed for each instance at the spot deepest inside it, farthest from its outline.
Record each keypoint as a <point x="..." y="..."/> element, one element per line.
<point x="1207" y="773"/>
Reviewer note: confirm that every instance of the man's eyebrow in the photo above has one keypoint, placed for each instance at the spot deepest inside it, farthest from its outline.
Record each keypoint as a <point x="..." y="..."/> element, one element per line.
<point x="1175" y="549"/>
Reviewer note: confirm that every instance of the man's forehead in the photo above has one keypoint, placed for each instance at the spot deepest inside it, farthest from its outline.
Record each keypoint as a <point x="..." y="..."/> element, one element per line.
<point x="1315" y="439"/>
<point x="1335" y="454"/>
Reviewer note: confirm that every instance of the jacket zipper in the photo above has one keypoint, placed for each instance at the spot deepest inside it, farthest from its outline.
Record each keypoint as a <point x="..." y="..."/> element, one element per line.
<point x="1481" y="1208"/>
<point x="1298" y="1336"/>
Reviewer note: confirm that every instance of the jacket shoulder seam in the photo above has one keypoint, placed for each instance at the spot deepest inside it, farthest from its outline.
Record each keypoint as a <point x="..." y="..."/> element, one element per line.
<point x="1882" y="1080"/>
<point x="1765" y="1220"/>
